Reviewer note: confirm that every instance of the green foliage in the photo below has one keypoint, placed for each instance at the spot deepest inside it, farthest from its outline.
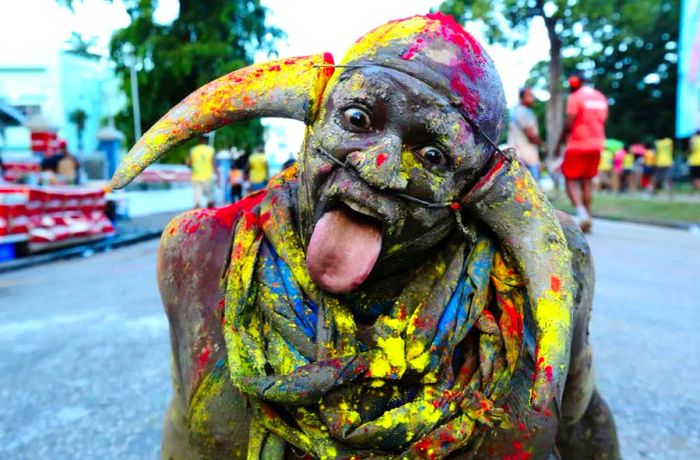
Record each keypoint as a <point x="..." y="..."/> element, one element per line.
<point x="209" y="38"/>
<point x="78" y="117"/>
<point x="626" y="47"/>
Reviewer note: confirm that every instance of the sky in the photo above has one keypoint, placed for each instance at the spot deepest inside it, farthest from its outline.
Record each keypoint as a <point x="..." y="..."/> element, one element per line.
<point x="32" y="30"/>
<point x="312" y="26"/>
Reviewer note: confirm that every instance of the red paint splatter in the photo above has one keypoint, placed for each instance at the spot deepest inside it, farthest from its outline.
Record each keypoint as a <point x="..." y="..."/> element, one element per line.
<point x="381" y="158"/>
<point x="555" y="283"/>
<point x="549" y="374"/>
<point x="422" y="447"/>
<point x="447" y="437"/>
<point x="410" y="52"/>
<point x="421" y="323"/>
<point x="512" y="318"/>
<point x="203" y="357"/>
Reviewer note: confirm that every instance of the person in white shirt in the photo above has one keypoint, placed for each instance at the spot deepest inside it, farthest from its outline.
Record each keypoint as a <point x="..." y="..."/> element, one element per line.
<point x="523" y="132"/>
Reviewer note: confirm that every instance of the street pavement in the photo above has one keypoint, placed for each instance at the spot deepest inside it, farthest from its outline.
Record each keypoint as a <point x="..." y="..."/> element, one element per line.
<point x="84" y="372"/>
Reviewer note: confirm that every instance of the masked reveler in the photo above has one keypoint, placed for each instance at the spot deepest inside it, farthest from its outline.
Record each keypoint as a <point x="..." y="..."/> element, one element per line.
<point x="406" y="291"/>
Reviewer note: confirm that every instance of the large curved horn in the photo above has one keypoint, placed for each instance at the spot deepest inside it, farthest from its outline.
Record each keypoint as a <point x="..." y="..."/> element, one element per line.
<point x="510" y="202"/>
<point x="288" y="88"/>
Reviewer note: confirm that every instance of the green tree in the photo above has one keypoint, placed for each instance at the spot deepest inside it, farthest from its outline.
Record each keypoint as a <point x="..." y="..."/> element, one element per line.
<point x="571" y="25"/>
<point x="209" y="38"/>
<point x="77" y="44"/>
<point x="635" y="65"/>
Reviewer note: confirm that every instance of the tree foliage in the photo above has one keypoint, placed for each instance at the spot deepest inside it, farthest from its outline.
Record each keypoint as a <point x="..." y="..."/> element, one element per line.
<point x="208" y="39"/>
<point x="636" y="69"/>
<point x="623" y="45"/>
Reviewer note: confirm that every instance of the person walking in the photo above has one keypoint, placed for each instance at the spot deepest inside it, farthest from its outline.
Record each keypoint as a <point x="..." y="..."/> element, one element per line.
<point x="664" y="162"/>
<point x="694" y="160"/>
<point x="523" y="132"/>
<point x="236" y="178"/>
<point x="257" y="170"/>
<point x="201" y="160"/>
<point x="584" y="135"/>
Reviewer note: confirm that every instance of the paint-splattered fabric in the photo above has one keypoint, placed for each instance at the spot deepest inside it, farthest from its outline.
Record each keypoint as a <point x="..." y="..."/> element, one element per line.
<point x="418" y="382"/>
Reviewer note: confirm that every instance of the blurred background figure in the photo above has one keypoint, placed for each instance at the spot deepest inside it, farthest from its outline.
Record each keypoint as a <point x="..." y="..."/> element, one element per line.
<point x="524" y="134"/>
<point x="618" y="164"/>
<point x="201" y="160"/>
<point x="605" y="169"/>
<point x="664" y="162"/>
<point x="257" y="170"/>
<point x="289" y="162"/>
<point x="638" y="150"/>
<point x="67" y="165"/>
<point x="627" y="170"/>
<point x="694" y="160"/>
<point x="649" y="166"/>
<point x="584" y="134"/>
<point x="236" y="176"/>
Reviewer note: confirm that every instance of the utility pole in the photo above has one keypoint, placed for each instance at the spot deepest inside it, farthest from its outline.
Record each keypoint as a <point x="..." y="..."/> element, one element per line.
<point x="131" y="62"/>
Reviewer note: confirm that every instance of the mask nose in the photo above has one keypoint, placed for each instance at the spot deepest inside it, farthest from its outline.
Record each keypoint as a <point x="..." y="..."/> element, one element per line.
<point x="380" y="165"/>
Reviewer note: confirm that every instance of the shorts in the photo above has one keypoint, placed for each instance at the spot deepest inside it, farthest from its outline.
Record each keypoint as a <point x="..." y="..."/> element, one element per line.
<point x="580" y="164"/>
<point x="695" y="172"/>
<point x="202" y="188"/>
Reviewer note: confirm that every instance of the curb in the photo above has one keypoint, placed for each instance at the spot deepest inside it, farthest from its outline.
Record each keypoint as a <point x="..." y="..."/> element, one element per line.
<point x="670" y="224"/>
<point x="81" y="250"/>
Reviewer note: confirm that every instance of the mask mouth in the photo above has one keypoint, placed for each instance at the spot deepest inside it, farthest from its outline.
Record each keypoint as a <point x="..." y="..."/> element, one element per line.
<point x="344" y="247"/>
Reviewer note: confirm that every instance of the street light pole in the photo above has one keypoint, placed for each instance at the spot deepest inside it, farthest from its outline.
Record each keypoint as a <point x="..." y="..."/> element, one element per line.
<point x="131" y="58"/>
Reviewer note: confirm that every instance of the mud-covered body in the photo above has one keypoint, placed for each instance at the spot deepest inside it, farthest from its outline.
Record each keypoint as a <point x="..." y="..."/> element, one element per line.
<point x="192" y="261"/>
<point x="407" y="292"/>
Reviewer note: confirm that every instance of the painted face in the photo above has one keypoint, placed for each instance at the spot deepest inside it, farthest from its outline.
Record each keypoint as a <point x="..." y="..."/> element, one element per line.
<point x="396" y="136"/>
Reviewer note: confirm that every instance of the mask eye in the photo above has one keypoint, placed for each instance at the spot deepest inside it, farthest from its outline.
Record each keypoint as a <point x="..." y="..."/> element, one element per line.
<point x="432" y="155"/>
<point x="357" y="119"/>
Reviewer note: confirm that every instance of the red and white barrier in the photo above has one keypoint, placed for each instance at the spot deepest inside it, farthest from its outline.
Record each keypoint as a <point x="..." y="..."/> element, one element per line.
<point x="52" y="216"/>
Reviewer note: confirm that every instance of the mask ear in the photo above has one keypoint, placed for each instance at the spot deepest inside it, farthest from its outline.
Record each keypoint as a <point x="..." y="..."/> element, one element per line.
<point x="286" y="88"/>
<point x="510" y="202"/>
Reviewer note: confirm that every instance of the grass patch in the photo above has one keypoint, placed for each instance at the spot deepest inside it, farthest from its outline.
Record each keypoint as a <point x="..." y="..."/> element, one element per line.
<point x="653" y="209"/>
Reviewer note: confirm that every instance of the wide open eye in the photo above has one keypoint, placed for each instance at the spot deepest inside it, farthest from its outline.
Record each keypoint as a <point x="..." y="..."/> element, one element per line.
<point x="432" y="155"/>
<point x="357" y="119"/>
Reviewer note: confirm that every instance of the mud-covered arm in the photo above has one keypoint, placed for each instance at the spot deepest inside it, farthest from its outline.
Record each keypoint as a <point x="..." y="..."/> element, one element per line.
<point x="191" y="259"/>
<point x="580" y="381"/>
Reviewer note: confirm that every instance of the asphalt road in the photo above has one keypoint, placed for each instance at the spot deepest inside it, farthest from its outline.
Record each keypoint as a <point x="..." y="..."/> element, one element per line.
<point x="84" y="371"/>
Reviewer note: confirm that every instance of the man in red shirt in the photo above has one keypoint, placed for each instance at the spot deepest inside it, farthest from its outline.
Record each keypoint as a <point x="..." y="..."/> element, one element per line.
<point x="584" y="132"/>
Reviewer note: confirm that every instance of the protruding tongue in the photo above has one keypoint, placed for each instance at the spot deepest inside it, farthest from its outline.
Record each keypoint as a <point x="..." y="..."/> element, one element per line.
<point x="343" y="250"/>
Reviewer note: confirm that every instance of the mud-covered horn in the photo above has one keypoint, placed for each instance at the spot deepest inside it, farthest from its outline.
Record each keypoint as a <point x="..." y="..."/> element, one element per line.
<point x="285" y="88"/>
<point x="510" y="202"/>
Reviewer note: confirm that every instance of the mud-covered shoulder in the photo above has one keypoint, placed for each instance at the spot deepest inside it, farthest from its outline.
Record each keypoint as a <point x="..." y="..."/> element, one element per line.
<point x="192" y="257"/>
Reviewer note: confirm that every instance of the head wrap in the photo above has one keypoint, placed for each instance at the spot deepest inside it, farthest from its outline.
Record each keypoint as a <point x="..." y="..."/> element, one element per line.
<point x="439" y="52"/>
